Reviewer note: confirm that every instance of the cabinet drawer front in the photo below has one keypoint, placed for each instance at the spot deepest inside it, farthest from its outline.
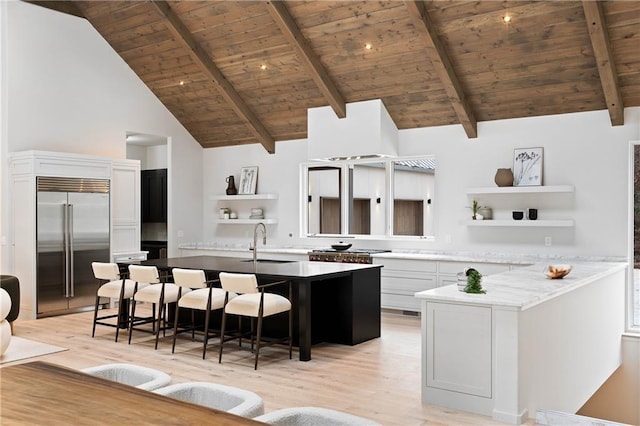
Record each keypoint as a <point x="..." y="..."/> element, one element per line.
<point x="406" y="274"/>
<point x="444" y="280"/>
<point x="408" y="265"/>
<point x="483" y="268"/>
<point x="409" y="286"/>
<point x="397" y="301"/>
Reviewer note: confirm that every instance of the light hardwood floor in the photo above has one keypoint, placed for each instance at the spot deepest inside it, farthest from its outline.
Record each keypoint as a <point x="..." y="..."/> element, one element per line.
<point x="379" y="379"/>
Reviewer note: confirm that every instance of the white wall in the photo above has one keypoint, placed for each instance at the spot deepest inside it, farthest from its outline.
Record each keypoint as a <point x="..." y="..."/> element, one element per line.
<point x="277" y="173"/>
<point x="150" y="157"/>
<point x="65" y="89"/>
<point x="580" y="149"/>
<point x="68" y="91"/>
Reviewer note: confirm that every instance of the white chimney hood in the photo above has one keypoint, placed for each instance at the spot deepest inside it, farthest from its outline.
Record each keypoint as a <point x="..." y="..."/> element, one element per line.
<point x="366" y="131"/>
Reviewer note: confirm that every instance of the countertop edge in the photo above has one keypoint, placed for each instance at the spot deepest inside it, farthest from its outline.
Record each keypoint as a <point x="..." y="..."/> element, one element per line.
<point x="529" y="302"/>
<point x="453" y="256"/>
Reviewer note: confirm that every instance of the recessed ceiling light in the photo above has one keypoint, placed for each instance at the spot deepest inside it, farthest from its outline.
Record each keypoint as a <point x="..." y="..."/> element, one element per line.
<point x="181" y="83"/>
<point x="263" y="66"/>
<point x="368" y="46"/>
<point x="506" y="18"/>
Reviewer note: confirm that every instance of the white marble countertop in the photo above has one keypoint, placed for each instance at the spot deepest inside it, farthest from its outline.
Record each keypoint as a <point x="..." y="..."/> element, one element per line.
<point x="523" y="288"/>
<point x="453" y="256"/>
<point x="245" y="248"/>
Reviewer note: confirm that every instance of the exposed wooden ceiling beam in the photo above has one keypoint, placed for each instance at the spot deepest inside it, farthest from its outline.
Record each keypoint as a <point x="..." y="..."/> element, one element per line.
<point x="68" y="7"/>
<point x="606" y="66"/>
<point x="200" y="57"/>
<point x="280" y="14"/>
<point x="443" y="67"/>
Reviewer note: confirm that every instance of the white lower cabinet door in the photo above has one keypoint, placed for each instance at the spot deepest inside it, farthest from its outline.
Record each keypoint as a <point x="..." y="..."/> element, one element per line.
<point x="459" y="348"/>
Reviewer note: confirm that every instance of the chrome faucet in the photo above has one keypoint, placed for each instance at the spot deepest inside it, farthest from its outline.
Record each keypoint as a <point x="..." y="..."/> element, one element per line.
<point x="255" y="242"/>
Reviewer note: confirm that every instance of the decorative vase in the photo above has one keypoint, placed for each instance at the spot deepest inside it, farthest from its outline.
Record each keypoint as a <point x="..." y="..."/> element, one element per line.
<point x="486" y="213"/>
<point x="504" y="177"/>
<point x="462" y="281"/>
<point x="231" y="188"/>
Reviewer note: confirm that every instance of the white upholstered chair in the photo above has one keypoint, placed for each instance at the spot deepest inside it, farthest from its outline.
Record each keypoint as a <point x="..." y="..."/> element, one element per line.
<point x="113" y="286"/>
<point x="131" y="374"/>
<point x="252" y="301"/>
<point x="220" y="397"/>
<point x="202" y="297"/>
<point x="157" y="292"/>
<point x="313" y="416"/>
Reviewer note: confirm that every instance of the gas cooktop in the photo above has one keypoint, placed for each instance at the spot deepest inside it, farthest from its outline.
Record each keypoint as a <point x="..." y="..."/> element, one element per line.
<point x="351" y="250"/>
<point x="344" y="256"/>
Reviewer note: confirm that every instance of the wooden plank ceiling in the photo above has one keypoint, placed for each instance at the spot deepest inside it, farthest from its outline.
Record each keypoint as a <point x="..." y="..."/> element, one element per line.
<point x="241" y="72"/>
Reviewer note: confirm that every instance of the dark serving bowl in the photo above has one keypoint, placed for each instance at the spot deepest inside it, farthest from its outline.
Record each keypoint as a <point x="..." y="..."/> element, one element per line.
<point x="340" y="246"/>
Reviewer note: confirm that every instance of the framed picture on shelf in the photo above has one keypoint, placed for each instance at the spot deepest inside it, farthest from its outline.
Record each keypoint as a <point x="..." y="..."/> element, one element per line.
<point x="248" y="180"/>
<point x="527" y="166"/>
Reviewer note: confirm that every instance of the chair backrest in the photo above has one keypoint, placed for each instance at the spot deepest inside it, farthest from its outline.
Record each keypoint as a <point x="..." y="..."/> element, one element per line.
<point x="239" y="283"/>
<point x="106" y="271"/>
<point x="191" y="278"/>
<point x="144" y="274"/>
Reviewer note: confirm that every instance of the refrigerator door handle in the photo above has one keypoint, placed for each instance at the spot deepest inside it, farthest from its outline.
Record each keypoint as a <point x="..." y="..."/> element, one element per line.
<point x="71" y="252"/>
<point x="65" y="236"/>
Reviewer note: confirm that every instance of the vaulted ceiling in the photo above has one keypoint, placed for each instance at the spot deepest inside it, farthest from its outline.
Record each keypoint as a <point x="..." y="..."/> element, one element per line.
<point x="242" y="72"/>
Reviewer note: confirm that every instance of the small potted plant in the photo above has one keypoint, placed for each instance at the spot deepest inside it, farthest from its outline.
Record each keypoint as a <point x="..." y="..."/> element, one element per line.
<point x="475" y="206"/>
<point x="474" y="279"/>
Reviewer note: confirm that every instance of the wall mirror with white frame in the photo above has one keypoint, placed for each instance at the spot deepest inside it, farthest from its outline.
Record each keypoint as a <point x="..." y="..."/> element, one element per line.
<point x="357" y="197"/>
<point x="324" y="198"/>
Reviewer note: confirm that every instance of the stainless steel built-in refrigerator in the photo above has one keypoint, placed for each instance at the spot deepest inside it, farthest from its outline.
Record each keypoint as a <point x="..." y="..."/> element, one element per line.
<point x="72" y="231"/>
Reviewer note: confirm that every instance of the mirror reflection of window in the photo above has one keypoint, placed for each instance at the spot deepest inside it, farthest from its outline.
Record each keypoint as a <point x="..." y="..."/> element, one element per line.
<point x="413" y="187"/>
<point x="324" y="199"/>
<point x="401" y="188"/>
<point x="368" y="185"/>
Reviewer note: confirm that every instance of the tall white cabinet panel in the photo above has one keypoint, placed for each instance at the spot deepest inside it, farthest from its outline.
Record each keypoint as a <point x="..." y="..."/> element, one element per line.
<point x="125" y="201"/>
<point x="463" y="363"/>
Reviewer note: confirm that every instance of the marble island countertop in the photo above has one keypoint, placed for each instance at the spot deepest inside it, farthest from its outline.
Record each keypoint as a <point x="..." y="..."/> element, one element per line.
<point x="523" y="288"/>
<point x="407" y="254"/>
<point x="244" y="247"/>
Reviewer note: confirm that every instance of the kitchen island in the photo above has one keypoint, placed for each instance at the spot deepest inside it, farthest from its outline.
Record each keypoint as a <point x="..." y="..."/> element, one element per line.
<point x="529" y="343"/>
<point x="332" y="302"/>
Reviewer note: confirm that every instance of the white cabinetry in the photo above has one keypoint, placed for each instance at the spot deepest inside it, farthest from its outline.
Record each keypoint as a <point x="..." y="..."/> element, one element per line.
<point x="125" y="207"/>
<point x="25" y="167"/>
<point x="400" y="279"/>
<point x="524" y="345"/>
<point x="466" y="367"/>
<point x="242" y="205"/>
<point x="503" y="200"/>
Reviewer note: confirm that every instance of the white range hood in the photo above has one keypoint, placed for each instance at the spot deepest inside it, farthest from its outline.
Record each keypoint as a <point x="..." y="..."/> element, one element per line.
<point x="366" y="131"/>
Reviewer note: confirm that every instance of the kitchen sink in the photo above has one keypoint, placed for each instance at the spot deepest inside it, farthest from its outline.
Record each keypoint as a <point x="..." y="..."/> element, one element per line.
<point x="268" y="261"/>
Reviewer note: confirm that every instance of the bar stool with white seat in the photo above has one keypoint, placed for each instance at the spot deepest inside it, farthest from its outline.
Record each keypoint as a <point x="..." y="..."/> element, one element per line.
<point x="252" y="301"/>
<point x="157" y="292"/>
<point x="113" y="287"/>
<point x="202" y="297"/>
